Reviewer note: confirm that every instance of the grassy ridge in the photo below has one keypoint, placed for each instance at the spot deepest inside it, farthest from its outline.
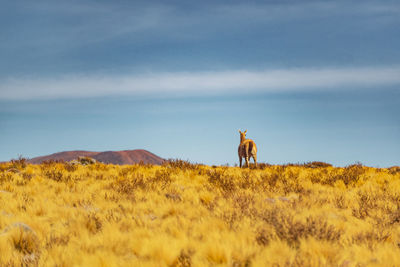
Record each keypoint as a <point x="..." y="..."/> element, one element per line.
<point x="180" y="214"/>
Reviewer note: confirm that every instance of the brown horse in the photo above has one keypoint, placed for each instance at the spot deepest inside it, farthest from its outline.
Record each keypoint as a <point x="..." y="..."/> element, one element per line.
<point x="247" y="148"/>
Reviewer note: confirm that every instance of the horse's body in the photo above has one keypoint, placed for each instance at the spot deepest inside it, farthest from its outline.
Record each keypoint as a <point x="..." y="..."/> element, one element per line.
<point x="247" y="149"/>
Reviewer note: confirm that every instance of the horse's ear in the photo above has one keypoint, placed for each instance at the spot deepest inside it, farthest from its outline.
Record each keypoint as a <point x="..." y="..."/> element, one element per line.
<point x="240" y="131"/>
<point x="245" y="131"/>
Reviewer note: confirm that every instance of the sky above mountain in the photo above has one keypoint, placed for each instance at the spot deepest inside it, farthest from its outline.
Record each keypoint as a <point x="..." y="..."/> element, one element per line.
<point x="309" y="80"/>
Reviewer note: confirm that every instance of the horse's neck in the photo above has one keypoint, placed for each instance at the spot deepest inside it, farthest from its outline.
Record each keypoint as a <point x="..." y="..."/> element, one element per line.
<point x="242" y="140"/>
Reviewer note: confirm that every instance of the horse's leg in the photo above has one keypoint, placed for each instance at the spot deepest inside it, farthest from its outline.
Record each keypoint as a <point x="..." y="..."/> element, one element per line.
<point x="247" y="154"/>
<point x="255" y="159"/>
<point x="240" y="161"/>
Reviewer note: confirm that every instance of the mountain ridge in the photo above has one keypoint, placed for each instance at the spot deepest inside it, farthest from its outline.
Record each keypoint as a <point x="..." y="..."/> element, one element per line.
<point x="113" y="157"/>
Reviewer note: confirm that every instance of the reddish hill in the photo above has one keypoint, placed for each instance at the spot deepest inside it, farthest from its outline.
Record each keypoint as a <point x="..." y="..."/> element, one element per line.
<point x="128" y="157"/>
<point x="113" y="157"/>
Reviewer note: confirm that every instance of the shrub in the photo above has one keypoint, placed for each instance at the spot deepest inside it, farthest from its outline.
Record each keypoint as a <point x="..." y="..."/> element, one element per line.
<point x="219" y="178"/>
<point x="128" y="185"/>
<point x="19" y="163"/>
<point x="93" y="223"/>
<point x="54" y="173"/>
<point x="291" y="230"/>
<point x="181" y="164"/>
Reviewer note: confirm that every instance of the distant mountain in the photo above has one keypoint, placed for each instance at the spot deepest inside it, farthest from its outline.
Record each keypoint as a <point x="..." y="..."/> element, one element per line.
<point x="113" y="157"/>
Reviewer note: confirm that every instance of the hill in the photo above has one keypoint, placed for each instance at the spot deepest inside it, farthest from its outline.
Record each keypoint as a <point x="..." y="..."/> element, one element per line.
<point x="113" y="157"/>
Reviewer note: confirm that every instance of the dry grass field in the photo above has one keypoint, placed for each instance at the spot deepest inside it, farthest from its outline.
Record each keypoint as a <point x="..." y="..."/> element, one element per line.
<point x="181" y="214"/>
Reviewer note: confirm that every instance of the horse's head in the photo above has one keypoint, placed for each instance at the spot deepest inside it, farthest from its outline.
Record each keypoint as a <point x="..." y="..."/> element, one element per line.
<point x="242" y="135"/>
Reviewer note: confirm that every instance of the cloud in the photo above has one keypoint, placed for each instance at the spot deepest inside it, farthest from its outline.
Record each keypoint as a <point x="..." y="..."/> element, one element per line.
<point x="49" y="26"/>
<point x="199" y="83"/>
<point x="62" y="26"/>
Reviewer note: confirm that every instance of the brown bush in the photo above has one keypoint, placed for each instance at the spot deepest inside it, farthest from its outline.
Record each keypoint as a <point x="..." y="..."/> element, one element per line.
<point x="184" y="259"/>
<point x="394" y="169"/>
<point x="70" y="167"/>
<point x="370" y="238"/>
<point x="93" y="223"/>
<point x="19" y="163"/>
<point x="261" y="166"/>
<point x="129" y="185"/>
<point x="291" y="230"/>
<point x="54" y="174"/>
<point x="317" y="164"/>
<point x="56" y="240"/>
<point x="219" y="178"/>
<point x="311" y="164"/>
<point x="181" y="164"/>
<point x="162" y="177"/>
<point x="52" y="162"/>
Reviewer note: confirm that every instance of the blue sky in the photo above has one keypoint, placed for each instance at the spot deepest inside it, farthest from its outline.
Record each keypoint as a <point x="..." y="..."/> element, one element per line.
<point x="309" y="80"/>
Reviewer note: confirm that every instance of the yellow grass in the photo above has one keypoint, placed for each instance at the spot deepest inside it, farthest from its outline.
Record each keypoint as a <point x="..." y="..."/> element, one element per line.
<point x="180" y="214"/>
